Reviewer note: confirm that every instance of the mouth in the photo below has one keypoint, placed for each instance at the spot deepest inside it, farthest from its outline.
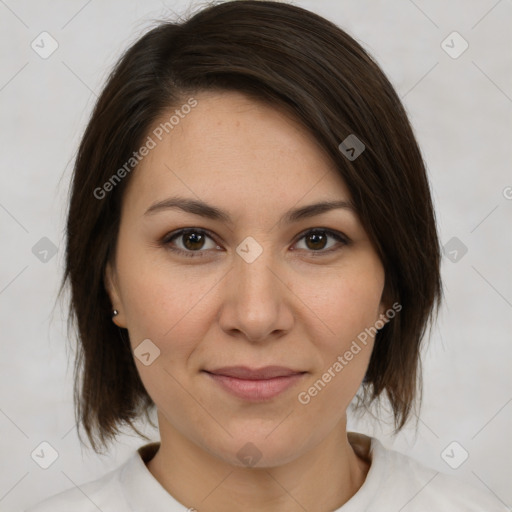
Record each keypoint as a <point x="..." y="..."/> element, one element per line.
<point x="255" y="384"/>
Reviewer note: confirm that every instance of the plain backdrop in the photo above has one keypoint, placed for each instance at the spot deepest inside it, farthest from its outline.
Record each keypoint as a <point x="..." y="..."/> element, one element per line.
<point x="461" y="108"/>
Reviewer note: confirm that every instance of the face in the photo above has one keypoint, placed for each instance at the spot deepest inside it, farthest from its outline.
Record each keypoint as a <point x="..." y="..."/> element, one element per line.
<point x="253" y="288"/>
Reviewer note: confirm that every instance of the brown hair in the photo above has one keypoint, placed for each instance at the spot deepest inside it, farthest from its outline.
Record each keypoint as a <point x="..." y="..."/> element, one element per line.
<point x="292" y="58"/>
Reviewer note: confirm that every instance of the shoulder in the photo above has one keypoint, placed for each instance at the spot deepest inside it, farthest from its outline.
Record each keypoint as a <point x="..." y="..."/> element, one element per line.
<point x="103" y="494"/>
<point x="415" y="487"/>
<point x="129" y="487"/>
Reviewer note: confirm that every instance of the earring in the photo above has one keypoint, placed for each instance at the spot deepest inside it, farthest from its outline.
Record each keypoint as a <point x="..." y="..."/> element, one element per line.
<point x="115" y="313"/>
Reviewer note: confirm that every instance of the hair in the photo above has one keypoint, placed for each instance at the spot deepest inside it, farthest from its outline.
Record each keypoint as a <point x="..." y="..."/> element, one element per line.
<point x="289" y="58"/>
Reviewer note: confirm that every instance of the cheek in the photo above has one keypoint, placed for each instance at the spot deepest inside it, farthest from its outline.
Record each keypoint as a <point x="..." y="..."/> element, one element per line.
<point x="344" y="340"/>
<point x="347" y="308"/>
<point x="169" y="307"/>
<point x="347" y="304"/>
<point x="165" y="304"/>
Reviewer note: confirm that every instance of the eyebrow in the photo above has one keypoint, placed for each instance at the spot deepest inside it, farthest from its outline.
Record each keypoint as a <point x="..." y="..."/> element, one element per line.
<point x="203" y="209"/>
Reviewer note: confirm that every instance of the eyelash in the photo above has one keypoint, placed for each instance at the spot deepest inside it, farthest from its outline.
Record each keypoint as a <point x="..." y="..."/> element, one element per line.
<point x="167" y="239"/>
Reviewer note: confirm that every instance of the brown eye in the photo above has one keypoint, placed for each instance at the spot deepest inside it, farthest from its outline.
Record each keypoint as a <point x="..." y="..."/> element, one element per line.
<point x="317" y="240"/>
<point x="193" y="240"/>
<point x="190" y="242"/>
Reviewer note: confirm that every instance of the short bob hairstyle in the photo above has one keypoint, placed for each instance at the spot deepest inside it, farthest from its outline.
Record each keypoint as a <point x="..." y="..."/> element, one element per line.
<point x="290" y="58"/>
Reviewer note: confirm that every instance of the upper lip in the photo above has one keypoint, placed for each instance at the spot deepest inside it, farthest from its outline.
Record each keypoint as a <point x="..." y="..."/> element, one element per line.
<point x="244" y="372"/>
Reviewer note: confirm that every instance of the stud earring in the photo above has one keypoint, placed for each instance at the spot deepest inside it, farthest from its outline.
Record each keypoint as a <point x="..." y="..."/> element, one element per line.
<point x="115" y="313"/>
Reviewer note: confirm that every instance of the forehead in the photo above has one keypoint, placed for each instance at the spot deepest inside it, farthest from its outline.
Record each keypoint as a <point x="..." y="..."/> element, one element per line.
<point x="231" y="143"/>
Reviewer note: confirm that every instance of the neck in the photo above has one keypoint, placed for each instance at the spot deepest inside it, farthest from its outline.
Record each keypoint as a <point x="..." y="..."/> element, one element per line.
<point x="322" y="479"/>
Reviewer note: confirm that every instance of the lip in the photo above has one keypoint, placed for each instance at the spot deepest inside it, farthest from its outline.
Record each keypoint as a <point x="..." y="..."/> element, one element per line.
<point x="255" y="384"/>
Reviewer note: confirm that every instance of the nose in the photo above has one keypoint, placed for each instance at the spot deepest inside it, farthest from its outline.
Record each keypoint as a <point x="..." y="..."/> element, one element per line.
<point x="256" y="301"/>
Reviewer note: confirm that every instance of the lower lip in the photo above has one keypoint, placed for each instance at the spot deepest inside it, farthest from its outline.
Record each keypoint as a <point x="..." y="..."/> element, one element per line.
<point x="256" y="390"/>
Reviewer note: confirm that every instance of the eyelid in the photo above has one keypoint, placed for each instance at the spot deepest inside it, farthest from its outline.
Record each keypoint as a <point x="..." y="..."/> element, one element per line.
<point x="337" y="235"/>
<point x="166" y="240"/>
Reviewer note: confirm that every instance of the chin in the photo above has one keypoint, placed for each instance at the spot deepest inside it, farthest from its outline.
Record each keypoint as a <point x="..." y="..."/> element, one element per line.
<point x="258" y="449"/>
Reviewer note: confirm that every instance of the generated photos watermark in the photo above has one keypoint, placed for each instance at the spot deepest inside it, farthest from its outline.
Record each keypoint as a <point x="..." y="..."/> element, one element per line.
<point x="305" y="397"/>
<point x="158" y="133"/>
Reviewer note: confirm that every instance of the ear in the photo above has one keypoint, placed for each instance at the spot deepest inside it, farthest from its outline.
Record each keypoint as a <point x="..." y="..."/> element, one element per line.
<point x="112" y="288"/>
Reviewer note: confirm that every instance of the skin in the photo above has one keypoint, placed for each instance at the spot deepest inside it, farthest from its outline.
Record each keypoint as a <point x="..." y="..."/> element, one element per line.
<point x="297" y="305"/>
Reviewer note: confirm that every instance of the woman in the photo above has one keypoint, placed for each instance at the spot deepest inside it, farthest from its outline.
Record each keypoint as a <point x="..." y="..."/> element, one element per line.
<point x="251" y="242"/>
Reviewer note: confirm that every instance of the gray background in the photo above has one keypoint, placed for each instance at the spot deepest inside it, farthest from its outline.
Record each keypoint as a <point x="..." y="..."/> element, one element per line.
<point x="461" y="110"/>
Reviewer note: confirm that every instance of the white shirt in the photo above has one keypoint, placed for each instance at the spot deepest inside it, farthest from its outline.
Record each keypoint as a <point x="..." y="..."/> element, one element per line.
<point x="394" y="483"/>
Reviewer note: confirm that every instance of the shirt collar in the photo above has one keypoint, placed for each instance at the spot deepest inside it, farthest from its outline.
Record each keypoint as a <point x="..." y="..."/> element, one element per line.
<point x="145" y="493"/>
<point x="142" y="490"/>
